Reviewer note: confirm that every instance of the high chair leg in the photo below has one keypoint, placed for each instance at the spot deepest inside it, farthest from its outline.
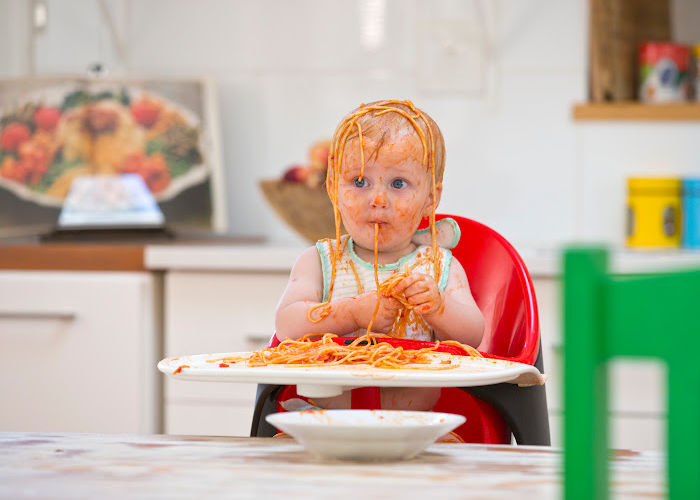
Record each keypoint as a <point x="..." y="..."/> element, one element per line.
<point x="265" y="404"/>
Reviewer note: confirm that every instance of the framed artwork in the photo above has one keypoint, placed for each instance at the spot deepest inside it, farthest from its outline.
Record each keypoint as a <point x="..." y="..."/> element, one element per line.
<point x="54" y="130"/>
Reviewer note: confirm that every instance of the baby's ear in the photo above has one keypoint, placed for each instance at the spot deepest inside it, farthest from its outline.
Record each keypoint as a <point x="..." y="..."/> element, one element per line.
<point x="428" y="208"/>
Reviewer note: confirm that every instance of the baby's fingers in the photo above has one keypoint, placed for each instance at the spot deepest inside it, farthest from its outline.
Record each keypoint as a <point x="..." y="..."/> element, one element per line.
<point x="424" y="284"/>
<point x="405" y="283"/>
<point x="413" y="284"/>
<point x="423" y="297"/>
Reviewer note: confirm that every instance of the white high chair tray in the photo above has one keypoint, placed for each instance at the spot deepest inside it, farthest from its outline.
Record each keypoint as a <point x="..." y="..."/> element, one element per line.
<point x="327" y="381"/>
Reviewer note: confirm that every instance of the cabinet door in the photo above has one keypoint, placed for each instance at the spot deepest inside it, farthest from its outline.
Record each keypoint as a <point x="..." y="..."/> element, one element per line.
<point x="216" y="312"/>
<point x="77" y="352"/>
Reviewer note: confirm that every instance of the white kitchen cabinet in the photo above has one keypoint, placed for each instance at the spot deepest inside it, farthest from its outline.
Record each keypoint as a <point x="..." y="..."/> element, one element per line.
<point x="78" y="352"/>
<point x="209" y="312"/>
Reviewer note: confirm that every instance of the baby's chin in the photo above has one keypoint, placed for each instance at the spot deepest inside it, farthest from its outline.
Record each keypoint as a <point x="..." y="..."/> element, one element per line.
<point x="391" y="246"/>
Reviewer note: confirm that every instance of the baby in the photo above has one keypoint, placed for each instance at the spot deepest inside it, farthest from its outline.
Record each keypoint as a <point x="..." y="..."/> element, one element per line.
<point x="384" y="176"/>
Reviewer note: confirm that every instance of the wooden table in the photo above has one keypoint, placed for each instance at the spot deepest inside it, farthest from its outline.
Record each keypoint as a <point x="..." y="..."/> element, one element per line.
<point x="42" y="465"/>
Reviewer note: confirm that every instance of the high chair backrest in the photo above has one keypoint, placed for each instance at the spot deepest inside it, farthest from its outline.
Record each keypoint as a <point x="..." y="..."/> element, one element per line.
<point x="503" y="290"/>
<point x="643" y="316"/>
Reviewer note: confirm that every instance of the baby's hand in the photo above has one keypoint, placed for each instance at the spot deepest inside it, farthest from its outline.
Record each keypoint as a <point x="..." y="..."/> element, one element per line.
<point x="386" y="314"/>
<point x="422" y="293"/>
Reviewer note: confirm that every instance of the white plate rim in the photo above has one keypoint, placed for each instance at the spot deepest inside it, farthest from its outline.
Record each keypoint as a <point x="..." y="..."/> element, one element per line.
<point x="293" y="418"/>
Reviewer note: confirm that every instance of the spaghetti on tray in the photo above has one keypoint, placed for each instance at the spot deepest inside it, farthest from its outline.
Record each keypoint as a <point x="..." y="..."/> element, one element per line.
<point x="366" y="350"/>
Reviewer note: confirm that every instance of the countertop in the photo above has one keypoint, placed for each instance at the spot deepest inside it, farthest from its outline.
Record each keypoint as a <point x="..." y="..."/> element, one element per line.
<point x="541" y="262"/>
<point x="57" y="465"/>
<point x="249" y="254"/>
<point x="221" y="257"/>
<point x="31" y="254"/>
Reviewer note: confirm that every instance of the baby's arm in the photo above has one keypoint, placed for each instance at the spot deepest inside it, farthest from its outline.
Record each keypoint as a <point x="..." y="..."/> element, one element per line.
<point x="304" y="291"/>
<point x="452" y="313"/>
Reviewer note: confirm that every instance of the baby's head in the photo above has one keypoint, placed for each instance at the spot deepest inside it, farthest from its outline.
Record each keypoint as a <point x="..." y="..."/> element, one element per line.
<point x="394" y="179"/>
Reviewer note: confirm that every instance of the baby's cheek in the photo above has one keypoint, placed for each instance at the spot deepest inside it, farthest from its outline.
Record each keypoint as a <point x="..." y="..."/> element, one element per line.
<point x="407" y="212"/>
<point x="348" y="197"/>
<point x="348" y="206"/>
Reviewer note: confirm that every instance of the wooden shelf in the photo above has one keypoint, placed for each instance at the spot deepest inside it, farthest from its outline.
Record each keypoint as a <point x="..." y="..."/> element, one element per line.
<point x="634" y="111"/>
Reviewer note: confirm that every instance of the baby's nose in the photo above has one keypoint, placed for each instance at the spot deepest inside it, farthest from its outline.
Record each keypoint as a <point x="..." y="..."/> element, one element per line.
<point x="379" y="199"/>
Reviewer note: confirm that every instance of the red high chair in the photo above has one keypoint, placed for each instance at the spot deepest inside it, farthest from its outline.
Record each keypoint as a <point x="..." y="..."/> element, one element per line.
<point x="502" y="288"/>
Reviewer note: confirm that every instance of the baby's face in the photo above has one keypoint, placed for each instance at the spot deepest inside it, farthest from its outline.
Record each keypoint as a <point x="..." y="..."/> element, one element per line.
<point x="395" y="191"/>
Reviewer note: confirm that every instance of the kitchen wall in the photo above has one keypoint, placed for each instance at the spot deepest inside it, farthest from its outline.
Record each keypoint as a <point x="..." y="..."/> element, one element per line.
<point x="499" y="77"/>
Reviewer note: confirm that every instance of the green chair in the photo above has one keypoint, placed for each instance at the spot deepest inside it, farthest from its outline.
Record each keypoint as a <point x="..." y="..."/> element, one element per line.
<point x="605" y="316"/>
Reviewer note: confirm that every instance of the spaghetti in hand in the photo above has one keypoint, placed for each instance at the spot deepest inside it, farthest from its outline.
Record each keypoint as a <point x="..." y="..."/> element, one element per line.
<point x="418" y="295"/>
<point x="387" y="288"/>
<point x="418" y="292"/>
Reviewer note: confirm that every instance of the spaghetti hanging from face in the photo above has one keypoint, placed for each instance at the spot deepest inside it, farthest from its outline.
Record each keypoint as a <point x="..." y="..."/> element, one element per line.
<point x="371" y="124"/>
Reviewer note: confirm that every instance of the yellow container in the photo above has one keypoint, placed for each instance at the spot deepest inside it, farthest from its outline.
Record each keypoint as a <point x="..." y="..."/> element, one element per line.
<point x="653" y="212"/>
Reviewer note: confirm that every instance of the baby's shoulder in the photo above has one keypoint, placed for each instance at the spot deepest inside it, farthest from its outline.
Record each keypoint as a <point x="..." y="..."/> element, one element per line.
<point x="306" y="272"/>
<point x="307" y="258"/>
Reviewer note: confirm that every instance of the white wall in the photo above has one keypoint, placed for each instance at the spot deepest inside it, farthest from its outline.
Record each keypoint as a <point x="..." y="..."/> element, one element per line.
<point x="289" y="70"/>
<point x="14" y="38"/>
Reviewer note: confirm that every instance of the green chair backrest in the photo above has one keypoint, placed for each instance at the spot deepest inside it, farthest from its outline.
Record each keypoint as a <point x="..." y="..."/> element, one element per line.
<point x="606" y="316"/>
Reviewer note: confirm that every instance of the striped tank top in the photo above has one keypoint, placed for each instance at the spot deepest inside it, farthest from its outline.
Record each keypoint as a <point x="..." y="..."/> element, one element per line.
<point x="355" y="276"/>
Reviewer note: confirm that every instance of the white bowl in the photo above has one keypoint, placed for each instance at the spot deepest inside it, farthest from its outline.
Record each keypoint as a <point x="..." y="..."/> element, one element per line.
<point x="365" y="435"/>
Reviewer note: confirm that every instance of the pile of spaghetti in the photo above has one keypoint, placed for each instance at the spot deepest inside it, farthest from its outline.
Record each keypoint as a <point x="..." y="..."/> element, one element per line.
<point x="366" y="350"/>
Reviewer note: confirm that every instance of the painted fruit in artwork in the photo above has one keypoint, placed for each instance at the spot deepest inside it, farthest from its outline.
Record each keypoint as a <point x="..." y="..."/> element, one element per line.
<point x="145" y="112"/>
<point x="47" y="117"/>
<point x="14" y="135"/>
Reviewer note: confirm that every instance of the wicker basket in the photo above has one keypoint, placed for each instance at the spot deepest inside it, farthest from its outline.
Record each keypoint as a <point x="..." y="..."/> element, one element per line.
<point x="306" y="210"/>
<point x="616" y="28"/>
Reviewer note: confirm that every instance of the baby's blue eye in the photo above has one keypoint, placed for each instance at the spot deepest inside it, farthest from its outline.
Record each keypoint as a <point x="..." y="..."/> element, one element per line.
<point x="399" y="183"/>
<point x="360" y="182"/>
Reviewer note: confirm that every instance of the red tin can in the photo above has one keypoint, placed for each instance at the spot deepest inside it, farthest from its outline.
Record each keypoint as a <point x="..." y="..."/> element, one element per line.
<point x="664" y="72"/>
